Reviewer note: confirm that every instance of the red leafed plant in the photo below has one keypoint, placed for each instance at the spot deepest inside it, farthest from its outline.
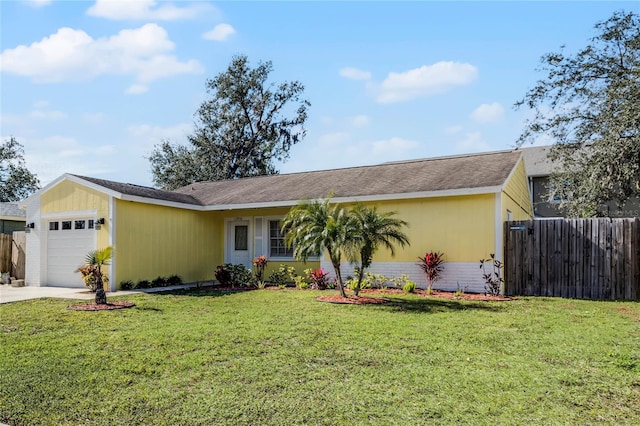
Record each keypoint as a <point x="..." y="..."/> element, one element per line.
<point x="260" y="263"/>
<point x="431" y="264"/>
<point x="319" y="279"/>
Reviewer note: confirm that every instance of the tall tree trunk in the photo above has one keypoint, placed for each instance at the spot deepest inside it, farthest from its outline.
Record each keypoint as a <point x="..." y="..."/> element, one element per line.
<point x="339" y="276"/>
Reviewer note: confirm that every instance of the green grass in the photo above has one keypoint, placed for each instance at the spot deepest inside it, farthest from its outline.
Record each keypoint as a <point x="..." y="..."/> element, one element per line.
<point x="281" y="358"/>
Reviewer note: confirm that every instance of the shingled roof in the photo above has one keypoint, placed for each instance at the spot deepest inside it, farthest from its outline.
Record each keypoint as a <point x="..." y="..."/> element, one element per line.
<point x="142" y="191"/>
<point x="536" y="160"/>
<point x="12" y="210"/>
<point x="465" y="172"/>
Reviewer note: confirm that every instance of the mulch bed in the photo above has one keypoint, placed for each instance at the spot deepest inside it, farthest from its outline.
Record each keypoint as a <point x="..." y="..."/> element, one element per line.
<point x="439" y="294"/>
<point x="101" y="307"/>
<point x="435" y="294"/>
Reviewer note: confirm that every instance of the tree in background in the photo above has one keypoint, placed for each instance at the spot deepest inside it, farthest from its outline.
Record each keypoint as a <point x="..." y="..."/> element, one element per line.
<point x="588" y="104"/>
<point x="16" y="181"/>
<point x="241" y="131"/>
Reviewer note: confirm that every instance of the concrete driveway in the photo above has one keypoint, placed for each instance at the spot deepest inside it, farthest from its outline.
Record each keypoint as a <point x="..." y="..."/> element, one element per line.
<point x="15" y="294"/>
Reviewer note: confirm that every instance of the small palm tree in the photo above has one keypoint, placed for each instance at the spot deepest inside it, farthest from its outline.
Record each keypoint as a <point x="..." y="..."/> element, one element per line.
<point x="373" y="230"/>
<point x="313" y="226"/>
<point x="92" y="271"/>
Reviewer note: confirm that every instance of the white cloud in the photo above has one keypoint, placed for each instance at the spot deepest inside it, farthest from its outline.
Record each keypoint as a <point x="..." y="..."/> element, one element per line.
<point x="42" y="114"/>
<point x="359" y="121"/>
<point x="219" y="33"/>
<point x="392" y="149"/>
<point x="38" y="3"/>
<point x="355" y="74"/>
<point x="146" y="135"/>
<point x="93" y="117"/>
<point x="424" y="81"/>
<point x="146" y="10"/>
<point x="332" y="140"/>
<point x="488" y="113"/>
<point x="452" y="130"/>
<point x="326" y="120"/>
<point x="472" y="142"/>
<point x="41" y="104"/>
<point x="136" y="89"/>
<point x="53" y="156"/>
<point x="74" y="55"/>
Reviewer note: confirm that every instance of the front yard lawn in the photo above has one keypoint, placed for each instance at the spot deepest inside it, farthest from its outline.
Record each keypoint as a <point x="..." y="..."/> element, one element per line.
<point x="281" y="358"/>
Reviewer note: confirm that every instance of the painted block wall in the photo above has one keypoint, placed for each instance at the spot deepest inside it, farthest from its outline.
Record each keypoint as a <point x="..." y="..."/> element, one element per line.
<point x="465" y="276"/>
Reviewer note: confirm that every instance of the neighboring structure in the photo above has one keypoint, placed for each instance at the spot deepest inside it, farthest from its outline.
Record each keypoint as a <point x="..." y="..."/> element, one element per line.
<point x="539" y="168"/>
<point x="456" y="205"/>
<point x="12" y="218"/>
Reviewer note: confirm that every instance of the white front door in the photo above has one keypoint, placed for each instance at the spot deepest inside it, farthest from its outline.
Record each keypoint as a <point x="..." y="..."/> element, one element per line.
<point x="238" y="243"/>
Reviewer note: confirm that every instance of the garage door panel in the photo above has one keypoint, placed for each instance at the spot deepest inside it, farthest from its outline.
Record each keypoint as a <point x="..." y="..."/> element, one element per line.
<point x="66" y="251"/>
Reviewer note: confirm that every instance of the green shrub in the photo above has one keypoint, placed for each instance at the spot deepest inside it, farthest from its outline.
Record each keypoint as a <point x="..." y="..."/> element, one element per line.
<point x="282" y="276"/>
<point x="230" y="275"/>
<point x="223" y="276"/>
<point x="376" y="280"/>
<point x="159" y="282"/>
<point x="352" y="282"/>
<point x="126" y="285"/>
<point x="300" y="282"/>
<point x="399" y="282"/>
<point x="240" y="275"/>
<point x="409" y="287"/>
<point x="174" y="280"/>
<point x="143" y="284"/>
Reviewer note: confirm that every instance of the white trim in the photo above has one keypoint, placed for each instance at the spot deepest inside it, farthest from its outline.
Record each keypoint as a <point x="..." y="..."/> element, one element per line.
<point x="155" y="201"/>
<point x="112" y="242"/>
<point x="71" y="178"/>
<point x="69" y="214"/>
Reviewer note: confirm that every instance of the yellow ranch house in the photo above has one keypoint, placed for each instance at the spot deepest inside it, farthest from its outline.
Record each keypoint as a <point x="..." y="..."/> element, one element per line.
<point x="456" y="205"/>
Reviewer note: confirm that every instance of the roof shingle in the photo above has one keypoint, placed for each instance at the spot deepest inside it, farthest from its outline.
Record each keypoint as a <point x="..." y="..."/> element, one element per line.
<point x="11" y="209"/>
<point x="142" y="191"/>
<point x="416" y="176"/>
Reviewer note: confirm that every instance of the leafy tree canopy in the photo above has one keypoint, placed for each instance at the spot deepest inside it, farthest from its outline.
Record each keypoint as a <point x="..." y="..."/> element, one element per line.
<point x="588" y="104"/>
<point x="16" y="181"/>
<point x="246" y="125"/>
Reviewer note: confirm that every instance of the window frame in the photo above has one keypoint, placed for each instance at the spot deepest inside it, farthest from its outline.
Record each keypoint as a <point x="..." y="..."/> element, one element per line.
<point x="288" y="252"/>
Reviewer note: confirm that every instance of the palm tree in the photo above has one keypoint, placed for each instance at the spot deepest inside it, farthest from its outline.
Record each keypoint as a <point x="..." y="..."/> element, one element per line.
<point x="373" y="229"/>
<point x="92" y="271"/>
<point x="313" y="226"/>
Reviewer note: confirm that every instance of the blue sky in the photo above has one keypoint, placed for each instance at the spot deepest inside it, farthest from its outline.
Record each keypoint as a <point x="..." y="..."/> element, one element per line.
<point x="90" y="87"/>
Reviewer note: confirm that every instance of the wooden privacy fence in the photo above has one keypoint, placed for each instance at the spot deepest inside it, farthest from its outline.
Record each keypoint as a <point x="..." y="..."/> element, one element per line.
<point x="12" y="254"/>
<point x="577" y="258"/>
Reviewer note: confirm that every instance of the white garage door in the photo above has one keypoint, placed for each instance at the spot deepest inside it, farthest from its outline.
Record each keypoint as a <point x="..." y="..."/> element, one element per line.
<point x="68" y="242"/>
